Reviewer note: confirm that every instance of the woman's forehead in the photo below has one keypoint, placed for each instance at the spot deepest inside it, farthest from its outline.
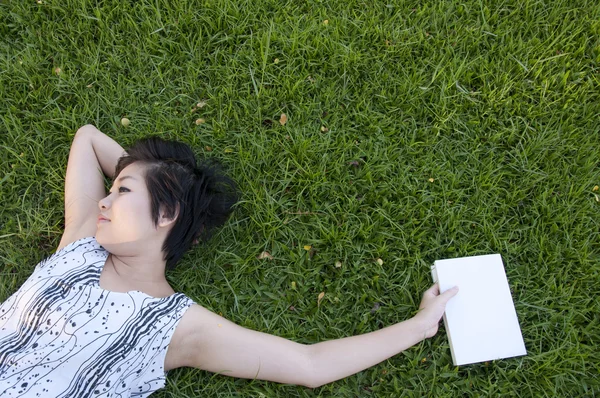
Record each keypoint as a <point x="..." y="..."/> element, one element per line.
<point x="133" y="172"/>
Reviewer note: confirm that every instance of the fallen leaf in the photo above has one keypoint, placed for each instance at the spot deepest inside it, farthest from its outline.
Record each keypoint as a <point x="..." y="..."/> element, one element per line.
<point x="228" y="150"/>
<point x="90" y="85"/>
<point x="375" y="308"/>
<point x="595" y="188"/>
<point x="326" y="22"/>
<point x="338" y="264"/>
<point x="321" y="295"/>
<point x="201" y="104"/>
<point x="57" y="71"/>
<point x="294" y="285"/>
<point x="208" y="148"/>
<point x="276" y="60"/>
<point x="307" y="247"/>
<point x="125" y="122"/>
<point x="264" y="255"/>
<point x="200" y="121"/>
<point x="423" y="360"/>
<point x="597" y="198"/>
<point x="292" y="308"/>
<point x="379" y="261"/>
<point x="283" y="119"/>
<point x="431" y="180"/>
<point x="219" y="325"/>
<point x="324" y="129"/>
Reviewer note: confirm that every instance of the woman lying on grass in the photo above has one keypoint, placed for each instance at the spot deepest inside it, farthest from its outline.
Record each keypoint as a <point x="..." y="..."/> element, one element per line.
<point x="98" y="317"/>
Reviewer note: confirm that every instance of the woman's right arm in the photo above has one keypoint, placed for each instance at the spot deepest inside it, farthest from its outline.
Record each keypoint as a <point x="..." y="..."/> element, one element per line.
<point x="107" y="150"/>
<point x="92" y="156"/>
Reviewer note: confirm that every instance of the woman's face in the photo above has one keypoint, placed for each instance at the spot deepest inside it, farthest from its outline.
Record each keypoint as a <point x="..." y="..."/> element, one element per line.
<point x="128" y="208"/>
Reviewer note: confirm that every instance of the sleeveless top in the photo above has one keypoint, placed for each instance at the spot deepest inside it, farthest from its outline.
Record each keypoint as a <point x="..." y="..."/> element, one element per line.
<point x="62" y="335"/>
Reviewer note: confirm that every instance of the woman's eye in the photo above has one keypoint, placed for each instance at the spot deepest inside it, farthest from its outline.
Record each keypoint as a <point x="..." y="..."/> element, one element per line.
<point x="126" y="190"/>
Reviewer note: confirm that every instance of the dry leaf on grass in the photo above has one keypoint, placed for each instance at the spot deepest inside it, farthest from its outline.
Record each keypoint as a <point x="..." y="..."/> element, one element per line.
<point x="264" y="255"/>
<point x="321" y="295"/>
<point x="283" y="119"/>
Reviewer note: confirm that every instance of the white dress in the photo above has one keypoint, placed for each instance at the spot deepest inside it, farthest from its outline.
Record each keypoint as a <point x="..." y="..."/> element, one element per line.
<point x="62" y="335"/>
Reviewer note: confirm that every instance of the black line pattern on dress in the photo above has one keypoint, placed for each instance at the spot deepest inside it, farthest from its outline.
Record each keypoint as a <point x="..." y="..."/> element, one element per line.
<point x="124" y="360"/>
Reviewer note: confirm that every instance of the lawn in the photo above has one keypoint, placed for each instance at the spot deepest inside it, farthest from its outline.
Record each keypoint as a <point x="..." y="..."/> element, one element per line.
<point x="415" y="131"/>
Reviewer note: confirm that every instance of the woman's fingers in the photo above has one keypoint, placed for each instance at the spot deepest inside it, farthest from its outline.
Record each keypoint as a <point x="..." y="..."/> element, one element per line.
<point x="448" y="294"/>
<point x="432" y="291"/>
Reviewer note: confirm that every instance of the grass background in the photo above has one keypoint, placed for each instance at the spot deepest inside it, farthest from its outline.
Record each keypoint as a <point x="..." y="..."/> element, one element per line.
<point x="496" y="101"/>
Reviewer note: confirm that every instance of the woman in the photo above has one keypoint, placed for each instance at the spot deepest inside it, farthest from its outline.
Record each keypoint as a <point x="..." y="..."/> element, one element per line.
<point x="98" y="317"/>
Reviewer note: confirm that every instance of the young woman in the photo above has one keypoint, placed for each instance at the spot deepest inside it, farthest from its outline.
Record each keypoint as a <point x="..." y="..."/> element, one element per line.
<point x="98" y="317"/>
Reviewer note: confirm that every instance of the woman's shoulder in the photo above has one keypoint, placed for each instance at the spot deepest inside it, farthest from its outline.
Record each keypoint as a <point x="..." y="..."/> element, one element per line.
<point x="76" y="245"/>
<point x="72" y="251"/>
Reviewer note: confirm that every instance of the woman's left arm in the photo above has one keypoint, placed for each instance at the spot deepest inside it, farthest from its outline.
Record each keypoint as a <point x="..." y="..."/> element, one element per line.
<point x="211" y="342"/>
<point x="336" y="359"/>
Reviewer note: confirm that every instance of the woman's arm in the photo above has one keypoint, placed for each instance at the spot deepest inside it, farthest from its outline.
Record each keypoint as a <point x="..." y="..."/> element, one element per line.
<point x="107" y="150"/>
<point x="335" y="359"/>
<point x="92" y="155"/>
<point x="210" y="342"/>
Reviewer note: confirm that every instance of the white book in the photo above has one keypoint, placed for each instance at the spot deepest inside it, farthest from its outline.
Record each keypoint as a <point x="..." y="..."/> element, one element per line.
<point x="481" y="321"/>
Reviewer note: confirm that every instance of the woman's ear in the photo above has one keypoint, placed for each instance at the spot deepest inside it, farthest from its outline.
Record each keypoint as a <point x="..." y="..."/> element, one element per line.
<point x="165" y="221"/>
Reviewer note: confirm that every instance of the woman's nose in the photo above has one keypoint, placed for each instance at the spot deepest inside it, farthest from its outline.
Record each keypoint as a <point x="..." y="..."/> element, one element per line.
<point x="104" y="203"/>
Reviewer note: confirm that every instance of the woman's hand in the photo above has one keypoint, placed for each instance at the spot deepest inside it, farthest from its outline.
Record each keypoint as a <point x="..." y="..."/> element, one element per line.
<point x="433" y="305"/>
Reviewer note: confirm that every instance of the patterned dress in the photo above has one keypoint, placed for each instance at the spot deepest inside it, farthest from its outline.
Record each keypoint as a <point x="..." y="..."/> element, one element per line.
<point x="62" y="335"/>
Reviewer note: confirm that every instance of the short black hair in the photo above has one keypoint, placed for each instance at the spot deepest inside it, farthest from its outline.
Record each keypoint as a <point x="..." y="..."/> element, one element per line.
<point x="200" y="194"/>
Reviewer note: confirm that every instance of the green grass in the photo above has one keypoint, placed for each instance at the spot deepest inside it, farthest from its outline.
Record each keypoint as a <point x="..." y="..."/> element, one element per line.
<point x="497" y="101"/>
